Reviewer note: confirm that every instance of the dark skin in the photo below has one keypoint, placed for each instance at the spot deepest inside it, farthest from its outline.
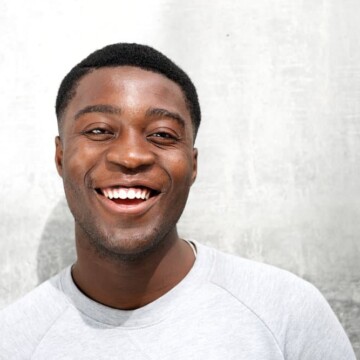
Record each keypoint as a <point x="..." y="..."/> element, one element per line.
<point x="127" y="128"/>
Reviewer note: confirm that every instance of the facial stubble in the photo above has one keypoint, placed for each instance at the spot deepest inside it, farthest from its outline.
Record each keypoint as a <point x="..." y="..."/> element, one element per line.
<point x="110" y="243"/>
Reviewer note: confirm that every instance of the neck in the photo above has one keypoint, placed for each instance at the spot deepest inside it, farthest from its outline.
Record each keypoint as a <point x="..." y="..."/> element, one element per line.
<point x="131" y="284"/>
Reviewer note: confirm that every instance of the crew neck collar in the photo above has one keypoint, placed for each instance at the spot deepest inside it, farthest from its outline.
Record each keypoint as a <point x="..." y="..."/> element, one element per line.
<point x="151" y="313"/>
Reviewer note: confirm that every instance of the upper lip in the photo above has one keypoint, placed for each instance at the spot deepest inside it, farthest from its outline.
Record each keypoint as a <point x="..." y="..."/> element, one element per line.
<point x="133" y="183"/>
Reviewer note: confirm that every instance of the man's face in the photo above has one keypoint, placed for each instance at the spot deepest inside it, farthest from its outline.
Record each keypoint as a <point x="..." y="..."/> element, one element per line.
<point x="126" y="157"/>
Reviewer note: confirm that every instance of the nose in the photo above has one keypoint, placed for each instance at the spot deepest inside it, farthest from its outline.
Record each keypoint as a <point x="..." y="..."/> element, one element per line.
<point x="130" y="151"/>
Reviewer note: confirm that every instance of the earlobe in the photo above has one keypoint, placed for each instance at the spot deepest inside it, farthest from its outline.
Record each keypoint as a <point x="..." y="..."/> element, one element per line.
<point x="58" y="154"/>
<point x="195" y="159"/>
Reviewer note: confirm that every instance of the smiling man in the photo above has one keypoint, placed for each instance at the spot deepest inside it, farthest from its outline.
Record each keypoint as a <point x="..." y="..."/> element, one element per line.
<point x="128" y="118"/>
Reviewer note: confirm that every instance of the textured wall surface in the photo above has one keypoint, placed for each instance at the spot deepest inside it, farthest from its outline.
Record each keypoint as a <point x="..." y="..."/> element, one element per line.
<point x="279" y="84"/>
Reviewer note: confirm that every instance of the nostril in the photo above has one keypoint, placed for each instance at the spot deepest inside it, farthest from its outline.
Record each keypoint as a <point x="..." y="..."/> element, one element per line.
<point x="130" y="159"/>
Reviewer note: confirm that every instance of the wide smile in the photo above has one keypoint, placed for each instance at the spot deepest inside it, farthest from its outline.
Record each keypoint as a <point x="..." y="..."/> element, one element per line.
<point x="133" y="200"/>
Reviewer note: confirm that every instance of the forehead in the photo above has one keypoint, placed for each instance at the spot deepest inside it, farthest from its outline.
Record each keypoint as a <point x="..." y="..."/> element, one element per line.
<point x="131" y="87"/>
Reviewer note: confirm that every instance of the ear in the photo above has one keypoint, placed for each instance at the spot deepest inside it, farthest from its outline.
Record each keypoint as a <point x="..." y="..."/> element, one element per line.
<point x="195" y="165"/>
<point x="58" y="155"/>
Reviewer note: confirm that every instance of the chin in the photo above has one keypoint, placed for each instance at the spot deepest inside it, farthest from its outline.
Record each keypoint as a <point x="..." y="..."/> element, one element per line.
<point x="124" y="244"/>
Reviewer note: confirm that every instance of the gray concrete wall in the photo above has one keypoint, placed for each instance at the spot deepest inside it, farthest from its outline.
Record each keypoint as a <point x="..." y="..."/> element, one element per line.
<point x="279" y="83"/>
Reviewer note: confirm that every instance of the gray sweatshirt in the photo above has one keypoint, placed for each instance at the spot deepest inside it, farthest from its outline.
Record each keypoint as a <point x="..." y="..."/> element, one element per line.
<point x="226" y="308"/>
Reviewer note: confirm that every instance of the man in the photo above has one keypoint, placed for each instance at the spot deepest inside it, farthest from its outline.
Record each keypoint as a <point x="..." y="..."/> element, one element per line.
<point x="128" y="119"/>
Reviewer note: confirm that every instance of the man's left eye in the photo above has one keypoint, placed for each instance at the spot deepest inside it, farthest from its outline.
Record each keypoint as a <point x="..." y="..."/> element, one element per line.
<point x="162" y="138"/>
<point x="163" y="135"/>
<point x="97" y="131"/>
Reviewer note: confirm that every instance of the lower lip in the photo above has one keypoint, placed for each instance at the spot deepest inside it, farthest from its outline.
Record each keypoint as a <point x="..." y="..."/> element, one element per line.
<point x="127" y="209"/>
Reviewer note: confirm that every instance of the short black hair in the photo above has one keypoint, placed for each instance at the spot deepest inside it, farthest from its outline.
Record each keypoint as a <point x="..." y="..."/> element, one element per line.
<point x="129" y="54"/>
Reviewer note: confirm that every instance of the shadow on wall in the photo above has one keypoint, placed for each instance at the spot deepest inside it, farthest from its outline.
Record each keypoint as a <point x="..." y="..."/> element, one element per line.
<point x="57" y="244"/>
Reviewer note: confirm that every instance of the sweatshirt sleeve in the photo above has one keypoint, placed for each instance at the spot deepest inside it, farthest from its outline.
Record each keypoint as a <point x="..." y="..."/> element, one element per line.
<point x="294" y="311"/>
<point x="314" y="332"/>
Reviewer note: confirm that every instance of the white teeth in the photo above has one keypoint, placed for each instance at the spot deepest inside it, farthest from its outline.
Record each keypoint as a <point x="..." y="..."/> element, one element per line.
<point x="131" y="194"/>
<point x="126" y="193"/>
<point x="123" y="194"/>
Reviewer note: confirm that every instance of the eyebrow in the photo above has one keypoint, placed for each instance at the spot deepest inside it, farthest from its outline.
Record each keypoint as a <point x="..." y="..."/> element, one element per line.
<point x="99" y="108"/>
<point x="158" y="112"/>
<point x="111" y="109"/>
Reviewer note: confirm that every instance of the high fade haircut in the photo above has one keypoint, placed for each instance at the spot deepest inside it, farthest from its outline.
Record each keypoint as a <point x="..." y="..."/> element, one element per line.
<point x="129" y="54"/>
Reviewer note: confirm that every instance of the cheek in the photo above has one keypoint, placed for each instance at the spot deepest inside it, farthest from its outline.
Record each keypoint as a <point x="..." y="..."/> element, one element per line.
<point x="76" y="165"/>
<point x="181" y="172"/>
<point x="77" y="162"/>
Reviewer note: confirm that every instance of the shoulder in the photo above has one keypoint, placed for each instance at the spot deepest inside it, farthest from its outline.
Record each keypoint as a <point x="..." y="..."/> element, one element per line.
<point x="24" y="323"/>
<point x="293" y="310"/>
<point x="246" y="278"/>
<point x="261" y="287"/>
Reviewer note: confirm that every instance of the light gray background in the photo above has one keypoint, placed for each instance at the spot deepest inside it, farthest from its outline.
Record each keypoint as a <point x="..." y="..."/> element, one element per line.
<point x="279" y="84"/>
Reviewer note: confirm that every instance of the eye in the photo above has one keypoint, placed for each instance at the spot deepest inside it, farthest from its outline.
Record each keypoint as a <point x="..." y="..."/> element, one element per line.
<point x="98" y="134"/>
<point x="162" y="137"/>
